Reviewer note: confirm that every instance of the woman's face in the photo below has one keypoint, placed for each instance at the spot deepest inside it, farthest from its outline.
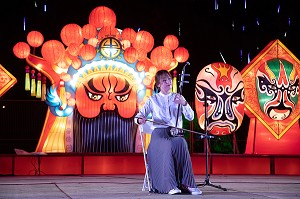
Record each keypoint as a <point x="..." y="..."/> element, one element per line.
<point x="165" y="84"/>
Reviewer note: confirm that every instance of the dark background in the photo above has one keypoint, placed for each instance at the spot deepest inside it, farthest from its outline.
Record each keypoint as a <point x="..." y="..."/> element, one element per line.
<point x="204" y="31"/>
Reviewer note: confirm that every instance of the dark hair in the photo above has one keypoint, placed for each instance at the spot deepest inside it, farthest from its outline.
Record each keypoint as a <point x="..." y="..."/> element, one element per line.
<point x="158" y="76"/>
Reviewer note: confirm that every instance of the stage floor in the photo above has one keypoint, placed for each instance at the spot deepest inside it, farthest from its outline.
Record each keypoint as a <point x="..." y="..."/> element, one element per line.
<point x="130" y="186"/>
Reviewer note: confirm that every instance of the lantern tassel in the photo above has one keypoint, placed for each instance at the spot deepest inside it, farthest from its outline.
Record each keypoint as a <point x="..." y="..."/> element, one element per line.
<point x="62" y="95"/>
<point x="33" y="85"/>
<point x="174" y="86"/>
<point x="39" y="86"/>
<point x="27" y="79"/>
<point x="43" y="97"/>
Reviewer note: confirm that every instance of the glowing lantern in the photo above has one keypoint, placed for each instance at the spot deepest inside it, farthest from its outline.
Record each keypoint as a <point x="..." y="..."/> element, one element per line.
<point x="171" y="42"/>
<point x="89" y="31"/>
<point x="87" y="52"/>
<point x="73" y="49"/>
<point x="21" y="50"/>
<point x="53" y="51"/>
<point x="35" y="38"/>
<point x="125" y="44"/>
<point x="161" y="57"/>
<point x="142" y="54"/>
<point x="102" y="16"/>
<point x="93" y="41"/>
<point x="181" y="54"/>
<point x="130" y="55"/>
<point x="152" y="70"/>
<point x="108" y="31"/>
<point x="144" y="40"/>
<point x="128" y="34"/>
<point x="140" y="66"/>
<point x="71" y="33"/>
<point x="76" y="63"/>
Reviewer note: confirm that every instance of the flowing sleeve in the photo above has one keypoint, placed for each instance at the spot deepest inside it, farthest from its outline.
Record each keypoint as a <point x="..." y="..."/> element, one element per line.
<point x="188" y="112"/>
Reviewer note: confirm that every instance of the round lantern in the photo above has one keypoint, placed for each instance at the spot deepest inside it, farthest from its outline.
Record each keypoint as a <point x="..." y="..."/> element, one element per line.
<point x="130" y="55"/>
<point x="35" y="38"/>
<point x="161" y="57"/>
<point x="76" y="63"/>
<point x="171" y="42"/>
<point x="140" y="66"/>
<point x="142" y="54"/>
<point x="89" y="31"/>
<point x="181" y="54"/>
<point x="144" y="40"/>
<point x="53" y="51"/>
<point x="125" y="43"/>
<point x="71" y="33"/>
<point x="93" y="41"/>
<point x="128" y="34"/>
<point x="73" y="49"/>
<point x="21" y="50"/>
<point x="102" y="16"/>
<point x="108" y="31"/>
<point x="87" y="52"/>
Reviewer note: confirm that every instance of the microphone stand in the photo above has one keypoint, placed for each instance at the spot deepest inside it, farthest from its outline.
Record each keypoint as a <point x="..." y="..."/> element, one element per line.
<point x="207" y="137"/>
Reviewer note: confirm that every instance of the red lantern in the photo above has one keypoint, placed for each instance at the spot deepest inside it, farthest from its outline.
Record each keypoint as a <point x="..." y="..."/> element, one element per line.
<point x="181" y="54"/>
<point x="89" y="31"/>
<point x="130" y="55"/>
<point x="102" y="16"/>
<point x="71" y="33"/>
<point x="93" y="41"/>
<point x="128" y="34"/>
<point x="144" y="40"/>
<point x="53" y="51"/>
<point x="21" y="50"/>
<point x="108" y="31"/>
<point x="35" y="38"/>
<point x="73" y="49"/>
<point x="140" y="66"/>
<point x="87" y="52"/>
<point x="125" y="44"/>
<point x="142" y="54"/>
<point x="161" y="57"/>
<point x="76" y="63"/>
<point x="171" y="42"/>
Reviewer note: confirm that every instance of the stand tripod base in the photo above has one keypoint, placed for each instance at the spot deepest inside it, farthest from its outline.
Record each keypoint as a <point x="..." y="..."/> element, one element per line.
<point x="208" y="183"/>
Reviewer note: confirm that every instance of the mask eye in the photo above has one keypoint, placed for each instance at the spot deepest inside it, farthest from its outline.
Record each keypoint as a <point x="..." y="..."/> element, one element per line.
<point x="122" y="98"/>
<point x="94" y="97"/>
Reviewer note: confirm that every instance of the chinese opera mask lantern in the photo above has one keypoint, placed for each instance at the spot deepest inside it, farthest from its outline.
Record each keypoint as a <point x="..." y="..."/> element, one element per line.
<point x="222" y="87"/>
<point x="106" y="103"/>
<point x="277" y="85"/>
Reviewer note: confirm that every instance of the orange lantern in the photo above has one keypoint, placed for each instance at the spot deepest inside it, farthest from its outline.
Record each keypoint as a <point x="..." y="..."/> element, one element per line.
<point x="140" y="66"/>
<point x="125" y="44"/>
<point x="171" y="42"/>
<point x="130" y="55"/>
<point x="161" y="57"/>
<point x="181" y="54"/>
<point x="142" y="54"/>
<point x="71" y="33"/>
<point x="35" y="38"/>
<point x="76" y="63"/>
<point x="102" y="16"/>
<point x="21" y="50"/>
<point x="108" y="31"/>
<point x="53" y="51"/>
<point x="93" y="41"/>
<point x="73" y="49"/>
<point x="87" y="52"/>
<point x="128" y="34"/>
<point x="144" y="40"/>
<point x="89" y="31"/>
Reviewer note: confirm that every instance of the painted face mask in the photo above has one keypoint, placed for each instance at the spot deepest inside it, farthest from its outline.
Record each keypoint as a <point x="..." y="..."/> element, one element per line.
<point x="277" y="85"/>
<point x="222" y="87"/>
<point x="106" y="92"/>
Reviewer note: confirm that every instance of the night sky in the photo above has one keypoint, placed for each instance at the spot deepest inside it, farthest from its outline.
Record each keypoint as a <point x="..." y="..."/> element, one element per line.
<point x="235" y="29"/>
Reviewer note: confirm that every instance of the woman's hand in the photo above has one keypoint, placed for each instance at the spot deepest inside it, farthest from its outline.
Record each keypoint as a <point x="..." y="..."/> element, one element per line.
<point x="141" y="120"/>
<point x="179" y="99"/>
